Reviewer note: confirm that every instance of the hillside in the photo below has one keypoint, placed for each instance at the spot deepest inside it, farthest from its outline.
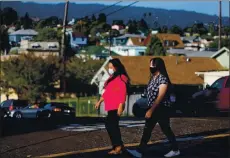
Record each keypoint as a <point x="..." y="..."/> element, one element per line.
<point x="179" y="17"/>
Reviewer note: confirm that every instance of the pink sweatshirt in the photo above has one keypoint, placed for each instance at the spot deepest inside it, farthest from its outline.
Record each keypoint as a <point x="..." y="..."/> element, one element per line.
<point x="115" y="93"/>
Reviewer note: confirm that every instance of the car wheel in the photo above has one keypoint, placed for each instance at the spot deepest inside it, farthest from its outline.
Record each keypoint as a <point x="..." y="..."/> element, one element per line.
<point x="18" y="115"/>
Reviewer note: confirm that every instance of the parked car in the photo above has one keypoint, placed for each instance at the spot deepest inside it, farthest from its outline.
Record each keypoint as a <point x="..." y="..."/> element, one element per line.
<point x="31" y="111"/>
<point x="140" y="107"/>
<point x="1" y="121"/>
<point x="60" y="109"/>
<point x="213" y="99"/>
<point x="9" y="105"/>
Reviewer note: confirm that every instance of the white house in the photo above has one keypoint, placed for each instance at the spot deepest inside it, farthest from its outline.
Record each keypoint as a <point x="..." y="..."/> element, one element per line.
<point x="211" y="77"/>
<point x="117" y="27"/>
<point x="129" y="50"/>
<point x="222" y="56"/>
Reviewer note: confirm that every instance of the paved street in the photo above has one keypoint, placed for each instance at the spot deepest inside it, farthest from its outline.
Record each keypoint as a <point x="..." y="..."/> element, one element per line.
<point x="214" y="148"/>
<point x="37" y="138"/>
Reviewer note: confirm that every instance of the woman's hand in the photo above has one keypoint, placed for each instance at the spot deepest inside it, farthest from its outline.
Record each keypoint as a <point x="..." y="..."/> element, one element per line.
<point x="97" y="105"/>
<point x="120" y="109"/>
<point x="149" y="113"/>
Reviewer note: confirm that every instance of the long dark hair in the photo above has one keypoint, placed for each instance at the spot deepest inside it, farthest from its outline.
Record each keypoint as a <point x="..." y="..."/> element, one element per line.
<point x="120" y="70"/>
<point x="160" y="65"/>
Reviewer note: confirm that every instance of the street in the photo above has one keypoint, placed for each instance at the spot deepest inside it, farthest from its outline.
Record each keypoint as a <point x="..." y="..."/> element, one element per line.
<point x="31" y="138"/>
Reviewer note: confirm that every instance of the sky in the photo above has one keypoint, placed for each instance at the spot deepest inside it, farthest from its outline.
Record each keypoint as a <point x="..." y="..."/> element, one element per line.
<point x="201" y="6"/>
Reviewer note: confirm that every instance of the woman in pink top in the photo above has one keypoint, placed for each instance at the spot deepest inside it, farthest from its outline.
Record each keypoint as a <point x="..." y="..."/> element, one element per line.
<point x="114" y="97"/>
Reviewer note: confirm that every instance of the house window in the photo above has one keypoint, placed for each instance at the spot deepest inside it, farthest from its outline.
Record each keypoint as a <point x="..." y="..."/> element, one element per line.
<point x="142" y="53"/>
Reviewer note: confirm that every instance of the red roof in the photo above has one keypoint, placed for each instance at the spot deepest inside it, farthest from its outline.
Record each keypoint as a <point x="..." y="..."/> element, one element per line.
<point x="147" y="40"/>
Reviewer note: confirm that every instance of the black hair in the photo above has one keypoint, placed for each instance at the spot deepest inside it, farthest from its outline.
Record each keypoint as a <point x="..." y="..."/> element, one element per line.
<point x="120" y="70"/>
<point x="160" y="65"/>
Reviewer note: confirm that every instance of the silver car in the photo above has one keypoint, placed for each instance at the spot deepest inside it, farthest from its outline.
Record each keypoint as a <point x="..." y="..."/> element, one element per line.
<point x="31" y="111"/>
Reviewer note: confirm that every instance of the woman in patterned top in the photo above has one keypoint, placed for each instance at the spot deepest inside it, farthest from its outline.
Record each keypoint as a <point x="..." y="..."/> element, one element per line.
<point x="159" y="107"/>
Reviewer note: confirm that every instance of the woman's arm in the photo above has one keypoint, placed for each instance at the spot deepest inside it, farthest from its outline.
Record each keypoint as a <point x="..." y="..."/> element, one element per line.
<point x="101" y="100"/>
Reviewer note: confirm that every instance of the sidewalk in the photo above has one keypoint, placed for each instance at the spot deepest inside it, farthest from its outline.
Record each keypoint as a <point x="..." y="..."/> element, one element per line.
<point x="211" y="146"/>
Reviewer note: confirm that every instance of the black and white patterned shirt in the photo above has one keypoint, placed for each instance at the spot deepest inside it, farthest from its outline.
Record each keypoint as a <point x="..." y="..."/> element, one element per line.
<point x="153" y="90"/>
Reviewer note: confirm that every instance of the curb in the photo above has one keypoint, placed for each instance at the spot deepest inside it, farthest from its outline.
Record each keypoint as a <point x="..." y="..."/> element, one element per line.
<point x="135" y="144"/>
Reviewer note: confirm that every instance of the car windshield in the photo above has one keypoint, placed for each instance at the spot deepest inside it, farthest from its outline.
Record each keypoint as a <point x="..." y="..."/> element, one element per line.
<point x="218" y="83"/>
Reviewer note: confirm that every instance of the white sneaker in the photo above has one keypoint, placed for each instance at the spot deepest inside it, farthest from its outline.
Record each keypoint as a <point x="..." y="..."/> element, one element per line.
<point x="173" y="153"/>
<point x="135" y="153"/>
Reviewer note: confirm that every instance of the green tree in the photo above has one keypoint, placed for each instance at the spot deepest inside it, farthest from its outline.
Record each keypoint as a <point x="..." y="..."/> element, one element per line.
<point x="226" y="31"/>
<point x="142" y="25"/>
<point x="30" y="76"/>
<point x="9" y="16"/>
<point x="93" y="18"/>
<point x="211" y="29"/>
<point x="101" y="18"/>
<point x="199" y="28"/>
<point x="224" y="43"/>
<point x="164" y="29"/>
<point x="51" y="21"/>
<point x="80" y="71"/>
<point x="27" y="21"/>
<point x="47" y="34"/>
<point x="4" y="40"/>
<point x="132" y="27"/>
<point x="176" y="30"/>
<point x="155" y="47"/>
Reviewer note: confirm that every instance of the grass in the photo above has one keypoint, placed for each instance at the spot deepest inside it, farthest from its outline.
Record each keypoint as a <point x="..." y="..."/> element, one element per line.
<point x="84" y="105"/>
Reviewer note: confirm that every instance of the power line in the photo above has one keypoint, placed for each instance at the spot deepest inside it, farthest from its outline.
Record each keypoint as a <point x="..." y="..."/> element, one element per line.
<point x="106" y="8"/>
<point x="97" y="12"/>
<point x="122" y="8"/>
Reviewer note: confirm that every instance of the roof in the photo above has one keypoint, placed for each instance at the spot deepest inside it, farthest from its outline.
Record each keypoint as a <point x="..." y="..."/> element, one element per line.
<point x="130" y="35"/>
<point x="190" y="38"/>
<point x="181" y="73"/>
<point x="171" y="37"/>
<point x="224" y="49"/>
<point x="25" y="32"/>
<point x="78" y="35"/>
<point x="148" y="40"/>
<point x="136" y="41"/>
<point x="190" y="53"/>
<point x="163" y="37"/>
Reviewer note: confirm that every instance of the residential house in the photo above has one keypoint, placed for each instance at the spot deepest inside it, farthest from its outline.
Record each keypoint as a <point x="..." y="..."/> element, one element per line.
<point x="167" y="40"/>
<point x="11" y="29"/>
<point x="128" y="50"/>
<point x="195" y="43"/>
<point x="170" y="40"/>
<point x="20" y="35"/>
<point x="77" y="39"/>
<point x="72" y="22"/>
<point x="190" y="53"/>
<point x="39" y="48"/>
<point x="181" y="73"/>
<point x="222" y="56"/>
<point x="122" y="40"/>
<point x="135" y="41"/>
<point x="117" y="27"/>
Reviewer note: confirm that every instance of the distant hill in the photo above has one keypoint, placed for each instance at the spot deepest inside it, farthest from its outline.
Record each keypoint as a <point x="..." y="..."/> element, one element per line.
<point x="179" y="17"/>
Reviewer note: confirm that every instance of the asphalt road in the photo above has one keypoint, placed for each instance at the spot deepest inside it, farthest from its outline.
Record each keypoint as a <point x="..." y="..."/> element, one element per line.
<point x="215" y="148"/>
<point x="36" y="138"/>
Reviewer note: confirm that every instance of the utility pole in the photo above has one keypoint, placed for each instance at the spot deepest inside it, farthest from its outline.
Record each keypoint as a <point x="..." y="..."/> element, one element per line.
<point x="63" y="47"/>
<point x="220" y="24"/>
<point x="110" y="44"/>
